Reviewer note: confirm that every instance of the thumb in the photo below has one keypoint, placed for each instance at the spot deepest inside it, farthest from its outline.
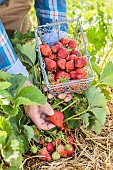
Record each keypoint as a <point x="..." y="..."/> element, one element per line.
<point x="47" y="109"/>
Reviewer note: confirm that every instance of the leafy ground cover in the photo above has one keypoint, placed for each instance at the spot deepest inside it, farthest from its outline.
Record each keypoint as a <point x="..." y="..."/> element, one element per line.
<point x="88" y="115"/>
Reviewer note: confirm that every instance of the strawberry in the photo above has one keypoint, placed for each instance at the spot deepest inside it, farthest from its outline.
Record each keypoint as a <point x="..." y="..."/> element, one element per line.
<point x="72" y="57"/>
<point x="50" y="147"/>
<point x="55" y="47"/>
<point x="64" y="41"/>
<point x="70" y="149"/>
<point x="57" y="119"/>
<point x="70" y="139"/>
<point x="76" y="52"/>
<point x="68" y="58"/>
<point x="80" y="62"/>
<point x="45" y="50"/>
<point x="41" y="142"/>
<point x="56" y="142"/>
<point x="55" y="155"/>
<point x="75" y="86"/>
<point x="61" y="149"/>
<point x="51" y="77"/>
<point x="61" y="63"/>
<point x="53" y="57"/>
<point x="50" y="64"/>
<point x="73" y="74"/>
<point x="70" y="65"/>
<point x="81" y="76"/>
<point x="62" y="75"/>
<point x="81" y="70"/>
<point x="45" y="153"/>
<point x="62" y="53"/>
<point x="72" y="44"/>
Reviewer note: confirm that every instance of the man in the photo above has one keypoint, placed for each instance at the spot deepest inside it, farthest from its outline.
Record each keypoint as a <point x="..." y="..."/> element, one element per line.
<point x="14" y="15"/>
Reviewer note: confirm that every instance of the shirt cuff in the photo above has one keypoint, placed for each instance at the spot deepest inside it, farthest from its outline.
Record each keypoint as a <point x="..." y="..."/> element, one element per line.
<point x="53" y="37"/>
<point x="18" y="68"/>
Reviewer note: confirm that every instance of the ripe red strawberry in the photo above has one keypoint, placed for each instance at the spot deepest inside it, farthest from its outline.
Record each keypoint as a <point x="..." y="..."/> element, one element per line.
<point x="75" y="86"/>
<point x="45" y="50"/>
<point x="81" y="70"/>
<point x="70" y="65"/>
<point x="70" y="149"/>
<point x="55" y="47"/>
<point x="80" y="62"/>
<point x="73" y="74"/>
<point x="42" y="140"/>
<point x="64" y="40"/>
<point x="61" y="149"/>
<point x="57" y="119"/>
<point x="62" y="75"/>
<point x="72" y="57"/>
<point x="50" y="64"/>
<point x="55" y="155"/>
<point x="70" y="139"/>
<point x="76" y="52"/>
<point x="81" y="76"/>
<point x="51" y="77"/>
<point x="68" y="58"/>
<point x="72" y="44"/>
<point x="56" y="142"/>
<point x="53" y="57"/>
<point x="45" y="153"/>
<point x="61" y="63"/>
<point x="62" y="53"/>
<point x="50" y="147"/>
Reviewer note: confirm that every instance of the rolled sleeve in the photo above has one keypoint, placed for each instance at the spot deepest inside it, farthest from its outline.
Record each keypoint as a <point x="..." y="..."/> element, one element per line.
<point x="50" y="10"/>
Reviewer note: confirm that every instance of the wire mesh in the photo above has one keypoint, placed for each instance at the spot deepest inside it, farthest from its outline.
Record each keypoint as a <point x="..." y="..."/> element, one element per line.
<point x="50" y="34"/>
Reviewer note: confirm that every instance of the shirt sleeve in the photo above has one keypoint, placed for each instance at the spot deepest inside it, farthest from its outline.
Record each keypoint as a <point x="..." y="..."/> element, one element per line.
<point x="50" y="10"/>
<point x="8" y="59"/>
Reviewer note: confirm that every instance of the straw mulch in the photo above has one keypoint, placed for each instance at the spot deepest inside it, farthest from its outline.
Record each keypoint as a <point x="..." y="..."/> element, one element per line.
<point x="92" y="152"/>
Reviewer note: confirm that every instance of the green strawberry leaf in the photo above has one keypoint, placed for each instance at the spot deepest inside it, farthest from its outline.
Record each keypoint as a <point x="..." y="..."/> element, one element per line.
<point x="9" y="110"/>
<point x="85" y="117"/>
<point x="4" y="85"/>
<point x="30" y="93"/>
<point x="4" y="75"/>
<point x="97" y="127"/>
<point x="100" y="114"/>
<point x="107" y="75"/>
<point x="28" y="130"/>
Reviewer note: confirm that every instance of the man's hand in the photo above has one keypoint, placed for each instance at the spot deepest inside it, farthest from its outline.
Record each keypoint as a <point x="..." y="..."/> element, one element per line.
<point x="39" y="115"/>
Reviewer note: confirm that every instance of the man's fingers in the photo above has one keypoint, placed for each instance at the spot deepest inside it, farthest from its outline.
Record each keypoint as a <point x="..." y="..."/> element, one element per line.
<point x="47" y="109"/>
<point x="62" y="95"/>
<point x="46" y="126"/>
<point x="68" y="98"/>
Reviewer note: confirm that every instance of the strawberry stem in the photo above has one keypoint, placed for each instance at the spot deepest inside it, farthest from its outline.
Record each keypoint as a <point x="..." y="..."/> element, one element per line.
<point x="74" y="116"/>
<point x="54" y="106"/>
<point x="69" y="105"/>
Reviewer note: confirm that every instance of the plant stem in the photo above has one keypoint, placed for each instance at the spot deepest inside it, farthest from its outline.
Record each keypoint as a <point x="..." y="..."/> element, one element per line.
<point x="57" y="104"/>
<point x="74" y="116"/>
<point x="69" y="105"/>
<point x="95" y="141"/>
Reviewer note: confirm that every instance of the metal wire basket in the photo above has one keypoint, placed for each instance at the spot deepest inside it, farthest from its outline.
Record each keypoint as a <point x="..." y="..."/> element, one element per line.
<point x="72" y="29"/>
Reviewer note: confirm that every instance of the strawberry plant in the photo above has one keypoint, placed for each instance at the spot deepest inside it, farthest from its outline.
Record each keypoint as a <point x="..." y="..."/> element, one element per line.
<point x="18" y="135"/>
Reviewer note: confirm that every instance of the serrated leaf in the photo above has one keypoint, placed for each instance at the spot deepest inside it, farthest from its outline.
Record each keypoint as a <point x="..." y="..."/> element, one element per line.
<point x="107" y="75"/>
<point x="95" y="67"/>
<point x="100" y="114"/>
<point x="97" y="127"/>
<point x="3" y="136"/>
<point x="23" y="100"/>
<point x="17" y="82"/>
<point x="29" y="131"/>
<point x="28" y="49"/>
<point x="4" y="85"/>
<point x="95" y="97"/>
<point x="9" y="110"/>
<point x="4" y="75"/>
<point x="33" y="94"/>
<point x="5" y="125"/>
<point x="85" y="117"/>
